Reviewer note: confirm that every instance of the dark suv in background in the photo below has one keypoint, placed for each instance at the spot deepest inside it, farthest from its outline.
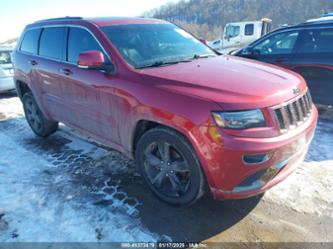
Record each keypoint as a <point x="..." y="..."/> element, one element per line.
<point x="306" y="48"/>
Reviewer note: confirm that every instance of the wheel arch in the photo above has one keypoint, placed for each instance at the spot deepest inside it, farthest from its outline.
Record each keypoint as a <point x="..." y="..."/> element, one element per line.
<point x="22" y="88"/>
<point x="192" y="134"/>
<point x="144" y="125"/>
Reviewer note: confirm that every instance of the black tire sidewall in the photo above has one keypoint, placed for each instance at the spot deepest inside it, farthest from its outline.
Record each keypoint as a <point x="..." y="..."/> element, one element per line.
<point x="48" y="127"/>
<point x="180" y="143"/>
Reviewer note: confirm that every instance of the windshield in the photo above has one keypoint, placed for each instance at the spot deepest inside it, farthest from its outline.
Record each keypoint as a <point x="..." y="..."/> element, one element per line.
<point x="5" y="57"/>
<point x="144" y="45"/>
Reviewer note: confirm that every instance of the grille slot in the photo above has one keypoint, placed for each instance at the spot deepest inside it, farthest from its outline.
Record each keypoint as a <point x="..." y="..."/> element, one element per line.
<point x="294" y="113"/>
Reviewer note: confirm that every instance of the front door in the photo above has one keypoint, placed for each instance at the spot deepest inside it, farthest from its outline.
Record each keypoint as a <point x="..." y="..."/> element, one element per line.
<point x="314" y="61"/>
<point x="232" y="36"/>
<point x="277" y="49"/>
<point x="88" y="93"/>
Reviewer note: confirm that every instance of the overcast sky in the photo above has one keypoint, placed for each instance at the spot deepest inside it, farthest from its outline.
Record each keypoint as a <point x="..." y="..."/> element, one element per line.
<point x="15" y="14"/>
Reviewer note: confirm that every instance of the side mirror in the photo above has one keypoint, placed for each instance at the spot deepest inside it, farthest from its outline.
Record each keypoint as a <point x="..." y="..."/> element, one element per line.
<point x="227" y="37"/>
<point x="91" y="60"/>
<point x="250" y="52"/>
<point x="247" y="51"/>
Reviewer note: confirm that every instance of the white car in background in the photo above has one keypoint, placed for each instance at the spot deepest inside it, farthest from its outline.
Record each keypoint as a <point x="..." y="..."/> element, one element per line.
<point x="6" y="70"/>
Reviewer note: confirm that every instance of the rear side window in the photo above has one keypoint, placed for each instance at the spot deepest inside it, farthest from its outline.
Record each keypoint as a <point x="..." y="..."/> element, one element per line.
<point x="249" y="29"/>
<point x="80" y="40"/>
<point x="317" y="41"/>
<point x="52" y="42"/>
<point x="30" y="41"/>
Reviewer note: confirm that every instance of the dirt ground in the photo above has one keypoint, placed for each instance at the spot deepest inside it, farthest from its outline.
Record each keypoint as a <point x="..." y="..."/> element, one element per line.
<point x="67" y="188"/>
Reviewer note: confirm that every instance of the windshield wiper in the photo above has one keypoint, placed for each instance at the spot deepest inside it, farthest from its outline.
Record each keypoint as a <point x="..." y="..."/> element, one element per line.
<point x="200" y="56"/>
<point x="162" y="63"/>
<point x="165" y="63"/>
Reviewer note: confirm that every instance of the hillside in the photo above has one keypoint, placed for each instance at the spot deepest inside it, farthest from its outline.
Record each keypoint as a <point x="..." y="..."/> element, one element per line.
<point x="206" y="18"/>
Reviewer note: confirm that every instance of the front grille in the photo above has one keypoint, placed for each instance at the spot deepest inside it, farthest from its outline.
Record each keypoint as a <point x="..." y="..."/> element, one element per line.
<point x="294" y="113"/>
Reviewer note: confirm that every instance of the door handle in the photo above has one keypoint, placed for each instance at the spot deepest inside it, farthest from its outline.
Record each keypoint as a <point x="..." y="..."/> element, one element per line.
<point x="66" y="71"/>
<point x="33" y="62"/>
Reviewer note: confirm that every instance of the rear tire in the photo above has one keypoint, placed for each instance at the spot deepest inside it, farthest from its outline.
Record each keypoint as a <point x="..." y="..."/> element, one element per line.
<point x="170" y="166"/>
<point x="36" y="119"/>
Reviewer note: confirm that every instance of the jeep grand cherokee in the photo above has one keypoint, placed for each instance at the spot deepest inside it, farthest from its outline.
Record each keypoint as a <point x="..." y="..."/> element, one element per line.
<point x="149" y="89"/>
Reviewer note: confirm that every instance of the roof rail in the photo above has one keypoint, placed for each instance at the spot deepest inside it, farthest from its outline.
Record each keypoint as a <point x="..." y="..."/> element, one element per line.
<point x="325" y="17"/>
<point x="318" y="22"/>
<point x="66" y="18"/>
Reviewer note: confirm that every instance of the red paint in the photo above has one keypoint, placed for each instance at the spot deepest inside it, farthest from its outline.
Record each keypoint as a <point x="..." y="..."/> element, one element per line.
<point x="91" y="59"/>
<point x="108" y="107"/>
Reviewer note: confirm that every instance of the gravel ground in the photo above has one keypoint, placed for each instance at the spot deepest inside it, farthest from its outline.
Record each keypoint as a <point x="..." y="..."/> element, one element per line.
<point x="67" y="188"/>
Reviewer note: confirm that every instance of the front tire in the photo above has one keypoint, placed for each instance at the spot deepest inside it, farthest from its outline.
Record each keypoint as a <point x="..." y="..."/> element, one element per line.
<point x="170" y="166"/>
<point x="36" y="119"/>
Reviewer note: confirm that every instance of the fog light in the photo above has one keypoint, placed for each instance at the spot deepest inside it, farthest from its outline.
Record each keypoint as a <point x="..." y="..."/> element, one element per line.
<point x="257" y="158"/>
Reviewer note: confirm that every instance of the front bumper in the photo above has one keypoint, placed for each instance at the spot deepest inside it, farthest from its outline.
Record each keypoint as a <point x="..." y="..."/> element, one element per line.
<point x="229" y="177"/>
<point x="6" y="84"/>
<point x="280" y="171"/>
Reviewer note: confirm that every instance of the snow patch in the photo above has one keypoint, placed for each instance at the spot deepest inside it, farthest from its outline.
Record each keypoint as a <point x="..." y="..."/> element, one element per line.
<point x="35" y="212"/>
<point x="310" y="188"/>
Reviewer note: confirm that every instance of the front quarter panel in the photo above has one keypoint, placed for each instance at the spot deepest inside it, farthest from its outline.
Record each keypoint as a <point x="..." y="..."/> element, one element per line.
<point x="188" y="115"/>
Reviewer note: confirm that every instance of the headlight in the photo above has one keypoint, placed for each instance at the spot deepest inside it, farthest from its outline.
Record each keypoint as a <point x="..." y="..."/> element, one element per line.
<point x="240" y="119"/>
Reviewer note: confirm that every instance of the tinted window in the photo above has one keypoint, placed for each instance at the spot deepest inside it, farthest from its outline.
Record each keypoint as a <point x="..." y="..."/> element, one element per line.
<point x="282" y="43"/>
<point x="30" y="41"/>
<point x="80" y="40"/>
<point x="52" y="42"/>
<point x="249" y="29"/>
<point x="317" y="41"/>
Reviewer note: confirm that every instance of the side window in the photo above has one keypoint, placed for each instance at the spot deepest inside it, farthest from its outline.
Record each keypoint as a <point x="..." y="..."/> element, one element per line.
<point x="30" y="41"/>
<point x="80" y="40"/>
<point x="52" y="42"/>
<point x="281" y="43"/>
<point x="232" y="31"/>
<point x="317" y="41"/>
<point x="249" y="29"/>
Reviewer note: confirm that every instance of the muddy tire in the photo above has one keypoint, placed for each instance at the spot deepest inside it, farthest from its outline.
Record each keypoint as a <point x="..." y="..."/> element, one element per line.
<point x="36" y="119"/>
<point x="170" y="167"/>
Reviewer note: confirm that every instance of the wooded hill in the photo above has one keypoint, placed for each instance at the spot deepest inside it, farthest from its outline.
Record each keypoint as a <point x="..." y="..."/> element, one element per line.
<point x="206" y="18"/>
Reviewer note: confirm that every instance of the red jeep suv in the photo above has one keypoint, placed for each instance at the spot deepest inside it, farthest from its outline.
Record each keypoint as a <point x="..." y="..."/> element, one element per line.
<point x="149" y="89"/>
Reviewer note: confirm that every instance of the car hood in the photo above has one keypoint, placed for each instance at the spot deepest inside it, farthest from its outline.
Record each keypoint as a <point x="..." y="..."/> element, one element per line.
<point x="232" y="82"/>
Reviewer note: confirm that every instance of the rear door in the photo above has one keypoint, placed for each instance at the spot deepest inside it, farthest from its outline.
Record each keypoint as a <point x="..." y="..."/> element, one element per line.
<point x="277" y="48"/>
<point x="51" y="51"/>
<point x="86" y="92"/>
<point x="314" y="60"/>
<point x="25" y="60"/>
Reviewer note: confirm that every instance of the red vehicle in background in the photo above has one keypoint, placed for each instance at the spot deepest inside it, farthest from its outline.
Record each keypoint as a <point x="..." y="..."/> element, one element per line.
<point x="147" y="88"/>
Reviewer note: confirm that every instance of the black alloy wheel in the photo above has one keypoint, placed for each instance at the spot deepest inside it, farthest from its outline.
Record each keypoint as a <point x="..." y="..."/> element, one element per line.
<point x="170" y="166"/>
